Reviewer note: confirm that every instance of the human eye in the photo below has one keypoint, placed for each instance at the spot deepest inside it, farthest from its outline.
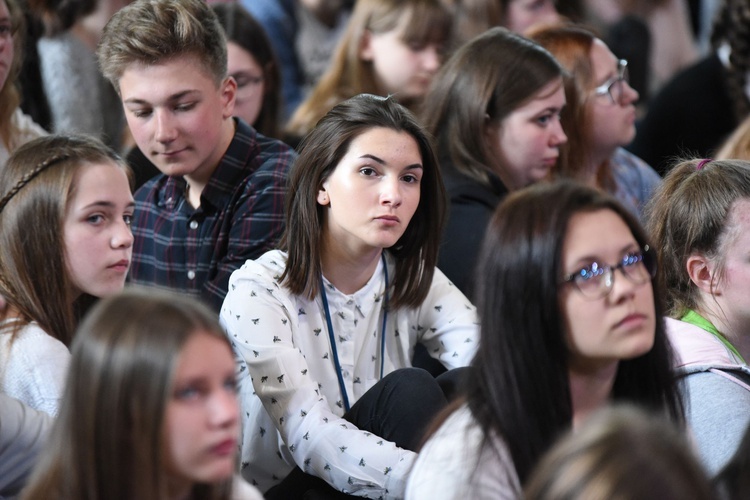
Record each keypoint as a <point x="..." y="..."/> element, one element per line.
<point x="5" y="29"/>
<point x="544" y="119"/>
<point x="187" y="393"/>
<point x="141" y="112"/>
<point x="128" y="218"/>
<point x="368" y="171"/>
<point x="632" y="258"/>
<point x="415" y="46"/>
<point x="230" y="384"/>
<point x="589" y="274"/>
<point x="95" y="219"/>
<point x="190" y="392"/>
<point x="186" y="106"/>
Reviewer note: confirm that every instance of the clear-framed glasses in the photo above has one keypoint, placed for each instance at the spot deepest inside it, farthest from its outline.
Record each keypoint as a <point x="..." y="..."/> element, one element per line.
<point x="614" y="87"/>
<point x="595" y="281"/>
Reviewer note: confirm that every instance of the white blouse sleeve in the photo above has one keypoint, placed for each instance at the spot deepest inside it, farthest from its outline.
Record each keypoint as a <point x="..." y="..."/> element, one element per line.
<point x="448" y="325"/>
<point x="256" y="314"/>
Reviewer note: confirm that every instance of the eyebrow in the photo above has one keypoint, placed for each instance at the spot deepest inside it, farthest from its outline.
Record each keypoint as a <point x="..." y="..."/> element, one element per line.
<point x="105" y="204"/>
<point x="172" y="98"/>
<point x="384" y="163"/>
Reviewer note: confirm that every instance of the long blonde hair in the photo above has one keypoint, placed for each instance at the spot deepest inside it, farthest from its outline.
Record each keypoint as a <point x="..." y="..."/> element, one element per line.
<point x="348" y="75"/>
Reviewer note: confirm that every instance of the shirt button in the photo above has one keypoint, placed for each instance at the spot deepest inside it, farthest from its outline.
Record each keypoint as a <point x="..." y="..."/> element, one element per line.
<point x="193" y="225"/>
<point x="191" y="275"/>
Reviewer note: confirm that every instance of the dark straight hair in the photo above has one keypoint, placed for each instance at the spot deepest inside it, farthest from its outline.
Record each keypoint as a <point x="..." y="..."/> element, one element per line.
<point x="320" y="153"/>
<point x="521" y="390"/>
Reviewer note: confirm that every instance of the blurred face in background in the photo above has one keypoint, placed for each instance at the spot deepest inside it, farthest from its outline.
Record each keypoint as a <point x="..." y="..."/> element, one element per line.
<point x="611" y="105"/>
<point x="250" y="78"/>
<point x="526" y="143"/>
<point x="522" y="14"/>
<point x="402" y="68"/>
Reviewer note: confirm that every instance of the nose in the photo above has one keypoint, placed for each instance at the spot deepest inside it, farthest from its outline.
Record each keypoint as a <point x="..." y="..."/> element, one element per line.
<point x="557" y="135"/>
<point x="165" y="131"/>
<point x="224" y="409"/>
<point x="431" y="58"/>
<point x="622" y="288"/>
<point x="391" y="192"/>
<point x="123" y="236"/>
<point x="629" y="94"/>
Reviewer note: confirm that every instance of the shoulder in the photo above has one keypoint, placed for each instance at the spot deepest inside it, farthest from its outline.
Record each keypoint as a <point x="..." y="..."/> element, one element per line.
<point x="24" y="128"/>
<point x="261" y="154"/>
<point x="456" y="462"/>
<point x="242" y="490"/>
<point x="695" y="348"/>
<point x="631" y="171"/>
<point x="37" y="341"/>
<point x="265" y="270"/>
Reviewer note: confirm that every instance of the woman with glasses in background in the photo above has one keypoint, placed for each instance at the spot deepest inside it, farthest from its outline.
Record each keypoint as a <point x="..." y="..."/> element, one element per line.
<point x="252" y="63"/>
<point x="700" y="222"/>
<point x="571" y="320"/>
<point x="599" y="117"/>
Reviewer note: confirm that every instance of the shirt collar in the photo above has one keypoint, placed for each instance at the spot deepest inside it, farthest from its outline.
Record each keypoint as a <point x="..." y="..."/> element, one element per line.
<point x="230" y="172"/>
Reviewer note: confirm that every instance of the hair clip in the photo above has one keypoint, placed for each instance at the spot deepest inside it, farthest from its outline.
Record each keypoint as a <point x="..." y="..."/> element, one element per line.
<point x="30" y="176"/>
<point x="703" y="162"/>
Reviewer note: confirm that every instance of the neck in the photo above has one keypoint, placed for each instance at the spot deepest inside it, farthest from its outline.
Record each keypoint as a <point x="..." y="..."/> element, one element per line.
<point x="179" y="490"/>
<point x="198" y="180"/>
<point x="347" y="271"/>
<point x="590" y="389"/>
<point x="730" y="329"/>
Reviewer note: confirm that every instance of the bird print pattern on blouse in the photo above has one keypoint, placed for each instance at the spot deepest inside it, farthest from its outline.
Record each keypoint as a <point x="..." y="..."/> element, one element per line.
<point x="289" y="391"/>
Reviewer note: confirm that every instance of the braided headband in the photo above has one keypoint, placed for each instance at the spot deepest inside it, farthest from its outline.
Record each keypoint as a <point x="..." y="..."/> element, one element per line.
<point x="28" y="177"/>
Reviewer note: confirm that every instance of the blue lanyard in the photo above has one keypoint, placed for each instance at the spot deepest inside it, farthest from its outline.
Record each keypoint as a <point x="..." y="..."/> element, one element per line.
<point x="332" y="338"/>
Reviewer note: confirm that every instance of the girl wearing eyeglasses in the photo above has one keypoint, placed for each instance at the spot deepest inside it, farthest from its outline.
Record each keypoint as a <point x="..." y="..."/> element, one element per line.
<point x="570" y="321"/>
<point x="599" y="117"/>
<point x="700" y="222"/>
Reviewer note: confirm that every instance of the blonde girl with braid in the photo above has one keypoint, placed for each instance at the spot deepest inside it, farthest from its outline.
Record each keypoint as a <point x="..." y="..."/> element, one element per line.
<point x="65" y="239"/>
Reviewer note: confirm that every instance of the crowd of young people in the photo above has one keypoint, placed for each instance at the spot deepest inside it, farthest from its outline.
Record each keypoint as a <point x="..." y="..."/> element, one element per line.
<point x="443" y="277"/>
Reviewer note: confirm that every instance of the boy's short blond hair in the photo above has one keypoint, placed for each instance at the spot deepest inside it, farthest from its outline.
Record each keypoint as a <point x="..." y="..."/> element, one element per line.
<point x="149" y="32"/>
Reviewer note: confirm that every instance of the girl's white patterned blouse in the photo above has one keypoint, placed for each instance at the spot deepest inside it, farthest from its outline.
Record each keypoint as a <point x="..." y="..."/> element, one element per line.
<point x="289" y="391"/>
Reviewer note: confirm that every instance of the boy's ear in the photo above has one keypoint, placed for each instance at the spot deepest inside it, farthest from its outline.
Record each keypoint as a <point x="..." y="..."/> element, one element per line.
<point x="228" y="96"/>
<point x="702" y="273"/>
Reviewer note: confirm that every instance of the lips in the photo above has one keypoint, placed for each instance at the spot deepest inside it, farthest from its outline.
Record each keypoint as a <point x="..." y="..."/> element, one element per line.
<point x="225" y="448"/>
<point x="633" y="320"/>
<point x="170" y="154"/>
<point x="121" y="265"/>
<point x="390" y="220"/>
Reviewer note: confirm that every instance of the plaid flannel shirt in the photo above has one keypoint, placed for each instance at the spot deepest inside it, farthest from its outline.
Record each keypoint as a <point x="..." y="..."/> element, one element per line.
<point x="241" y="217"/>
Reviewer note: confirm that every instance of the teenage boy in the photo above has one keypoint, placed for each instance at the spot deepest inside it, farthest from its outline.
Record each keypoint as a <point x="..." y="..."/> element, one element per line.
<point x="220" y="199"/>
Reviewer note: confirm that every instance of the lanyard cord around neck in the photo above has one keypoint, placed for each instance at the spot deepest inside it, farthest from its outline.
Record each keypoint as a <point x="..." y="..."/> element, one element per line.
<point x="696" y="319"/>
<point x="332" y="337"/>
